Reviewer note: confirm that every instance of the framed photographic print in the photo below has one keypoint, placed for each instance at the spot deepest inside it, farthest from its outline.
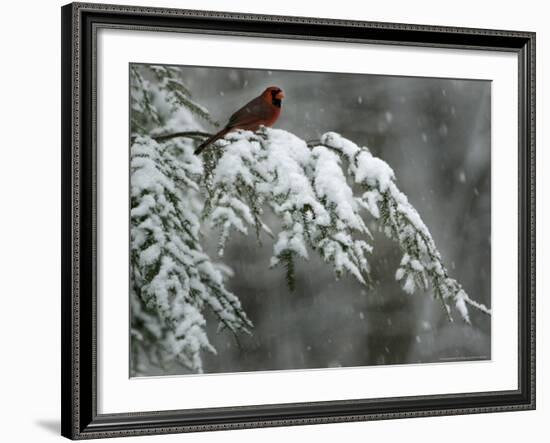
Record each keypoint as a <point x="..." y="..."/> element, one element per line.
<point x="276" y="221"/>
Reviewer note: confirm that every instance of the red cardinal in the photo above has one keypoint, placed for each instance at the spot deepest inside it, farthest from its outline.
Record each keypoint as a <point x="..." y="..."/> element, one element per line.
<point x="264" y="110"/>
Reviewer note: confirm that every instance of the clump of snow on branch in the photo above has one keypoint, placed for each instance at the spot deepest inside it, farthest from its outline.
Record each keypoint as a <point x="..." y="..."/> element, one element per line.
<point x="311" y="189"/>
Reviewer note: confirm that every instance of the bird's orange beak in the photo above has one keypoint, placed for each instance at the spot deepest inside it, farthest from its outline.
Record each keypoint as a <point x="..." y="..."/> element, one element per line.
<point x="280" y="95"/>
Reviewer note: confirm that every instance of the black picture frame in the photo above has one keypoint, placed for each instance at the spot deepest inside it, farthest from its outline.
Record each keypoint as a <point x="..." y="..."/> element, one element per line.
<point x="79" y="171"/>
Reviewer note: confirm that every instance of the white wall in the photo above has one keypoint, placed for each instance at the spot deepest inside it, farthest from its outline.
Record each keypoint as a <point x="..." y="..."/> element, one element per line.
<point x="30" y="219"/>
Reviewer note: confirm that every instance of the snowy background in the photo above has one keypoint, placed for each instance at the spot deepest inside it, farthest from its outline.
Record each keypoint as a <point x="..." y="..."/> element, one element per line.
<point x="435" y="134"/>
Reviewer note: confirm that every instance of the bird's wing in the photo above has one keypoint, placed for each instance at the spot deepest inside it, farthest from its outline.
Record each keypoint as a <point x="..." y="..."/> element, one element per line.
<point x="250" y="113"/>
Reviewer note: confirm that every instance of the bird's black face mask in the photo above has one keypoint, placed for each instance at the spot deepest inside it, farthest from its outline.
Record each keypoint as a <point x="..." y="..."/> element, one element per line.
<point x="275" y="101"/>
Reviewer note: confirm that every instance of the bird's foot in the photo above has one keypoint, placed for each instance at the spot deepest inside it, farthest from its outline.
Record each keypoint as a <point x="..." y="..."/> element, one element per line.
<point x="262" y="131"/>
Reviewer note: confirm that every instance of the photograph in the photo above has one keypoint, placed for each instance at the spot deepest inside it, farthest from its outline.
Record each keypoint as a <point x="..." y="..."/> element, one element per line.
<point x="298" y="220"/>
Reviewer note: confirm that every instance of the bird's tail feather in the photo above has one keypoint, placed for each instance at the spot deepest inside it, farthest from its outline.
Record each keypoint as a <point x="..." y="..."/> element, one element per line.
<point x="211" y="140"/>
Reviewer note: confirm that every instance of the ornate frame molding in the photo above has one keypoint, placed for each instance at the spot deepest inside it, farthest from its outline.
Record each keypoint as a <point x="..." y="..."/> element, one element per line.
<point x="79" y="391"/>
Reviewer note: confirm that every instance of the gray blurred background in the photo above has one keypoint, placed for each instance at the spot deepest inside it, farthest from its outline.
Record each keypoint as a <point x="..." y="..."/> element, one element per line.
<point x="436" y="135"/>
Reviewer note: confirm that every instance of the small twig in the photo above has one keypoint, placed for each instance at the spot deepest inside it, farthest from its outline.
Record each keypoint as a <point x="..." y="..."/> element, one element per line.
<point x="315" y="142"/>
<point x="188" y="134"/>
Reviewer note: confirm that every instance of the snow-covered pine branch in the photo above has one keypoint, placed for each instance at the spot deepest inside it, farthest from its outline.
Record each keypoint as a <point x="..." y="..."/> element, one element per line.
<point x="176" y="94"/>
<point x="307" y="188"/>
<point x="172" y="279"/>
<point x="421" y="264"/>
